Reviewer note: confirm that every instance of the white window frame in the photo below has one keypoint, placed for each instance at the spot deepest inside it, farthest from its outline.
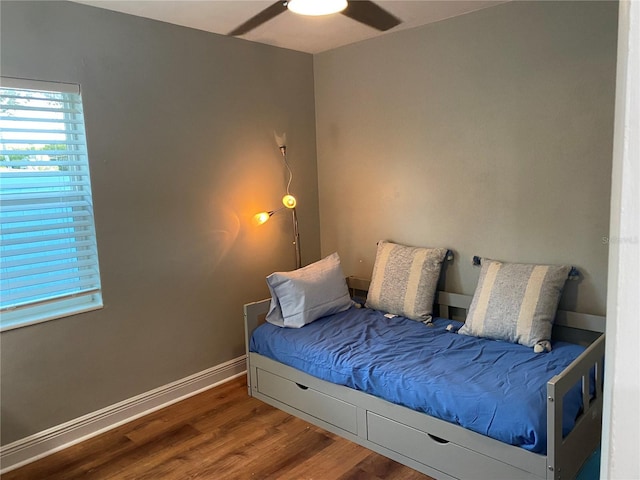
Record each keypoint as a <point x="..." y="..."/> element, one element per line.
<point x="46" y="194"/>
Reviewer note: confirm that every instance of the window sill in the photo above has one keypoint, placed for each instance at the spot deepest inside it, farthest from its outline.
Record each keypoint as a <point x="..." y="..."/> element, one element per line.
<point x="17" y="319"/>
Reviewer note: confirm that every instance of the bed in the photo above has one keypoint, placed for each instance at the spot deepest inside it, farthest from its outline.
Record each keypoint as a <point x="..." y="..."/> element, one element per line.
<point x="479" y="444"/>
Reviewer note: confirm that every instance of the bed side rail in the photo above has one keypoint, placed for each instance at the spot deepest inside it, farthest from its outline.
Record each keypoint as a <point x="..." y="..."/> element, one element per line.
<point x="358" y="287"/>
<point x="358" y="284"/>
<point x="583" y="321"/>
<point x="566" y="455"/>
<point x="579" y="328"/>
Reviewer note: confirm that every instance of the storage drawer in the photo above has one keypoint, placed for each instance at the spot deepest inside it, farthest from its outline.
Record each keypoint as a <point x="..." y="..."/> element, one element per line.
<point x="314" y="403"/>
<point x="437" y="453"/>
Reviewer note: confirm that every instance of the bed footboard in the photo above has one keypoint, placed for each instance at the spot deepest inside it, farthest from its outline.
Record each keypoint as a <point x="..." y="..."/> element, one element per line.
<point x="566" y="455"/>
<point x="254" y="314"/>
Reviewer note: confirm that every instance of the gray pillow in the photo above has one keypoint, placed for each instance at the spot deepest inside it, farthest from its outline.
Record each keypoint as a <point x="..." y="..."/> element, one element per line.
<point x="516" y="302"/>
<point x="304" y="295"/>
<point x="404" y="280"/>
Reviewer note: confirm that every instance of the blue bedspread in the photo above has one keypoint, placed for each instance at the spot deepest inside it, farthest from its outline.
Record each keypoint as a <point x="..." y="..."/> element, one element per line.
<point x="494" y="388"/>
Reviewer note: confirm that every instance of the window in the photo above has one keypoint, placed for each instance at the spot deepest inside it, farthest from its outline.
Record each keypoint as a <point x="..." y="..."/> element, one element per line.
<point x="48" y="251"/>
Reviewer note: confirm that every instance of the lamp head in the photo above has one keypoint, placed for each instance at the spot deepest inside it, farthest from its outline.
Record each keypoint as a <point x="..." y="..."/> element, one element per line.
<point x="289" y="201"/>
<point x="262" y="217"/>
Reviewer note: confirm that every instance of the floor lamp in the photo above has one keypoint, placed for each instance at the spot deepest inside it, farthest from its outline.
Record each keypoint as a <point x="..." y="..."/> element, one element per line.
<point x="289" y="203"/>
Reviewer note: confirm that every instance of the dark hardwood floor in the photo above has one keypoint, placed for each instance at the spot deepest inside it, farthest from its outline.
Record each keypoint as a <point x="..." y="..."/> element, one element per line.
<point x="219" y="434"/>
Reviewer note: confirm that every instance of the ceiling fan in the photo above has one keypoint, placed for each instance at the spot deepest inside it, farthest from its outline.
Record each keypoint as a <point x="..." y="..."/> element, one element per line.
<point x="363" y="11"/>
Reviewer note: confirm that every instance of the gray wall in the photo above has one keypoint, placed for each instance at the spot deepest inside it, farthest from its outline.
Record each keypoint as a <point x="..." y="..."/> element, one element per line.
<point x="489" y="133"/>
<point x="180" y="129"/>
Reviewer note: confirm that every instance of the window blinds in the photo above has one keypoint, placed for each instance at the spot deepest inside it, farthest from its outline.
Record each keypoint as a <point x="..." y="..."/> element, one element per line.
<point x="49" y="258"/>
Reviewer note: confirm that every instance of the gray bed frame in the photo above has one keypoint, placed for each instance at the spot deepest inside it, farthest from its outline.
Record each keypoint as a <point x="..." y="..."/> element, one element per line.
<point x="432" y="446"/>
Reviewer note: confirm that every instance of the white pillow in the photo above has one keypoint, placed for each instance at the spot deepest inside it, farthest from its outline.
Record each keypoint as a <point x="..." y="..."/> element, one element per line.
<point x="304" y="295"/>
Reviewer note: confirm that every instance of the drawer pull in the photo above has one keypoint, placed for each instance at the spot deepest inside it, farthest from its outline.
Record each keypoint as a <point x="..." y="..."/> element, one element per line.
<point x="302" y="387"/>
<point x="437" y="439"/>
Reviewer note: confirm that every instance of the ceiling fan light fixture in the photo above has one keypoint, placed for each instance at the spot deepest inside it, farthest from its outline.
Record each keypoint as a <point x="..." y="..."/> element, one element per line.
<point x="316" y="7"/>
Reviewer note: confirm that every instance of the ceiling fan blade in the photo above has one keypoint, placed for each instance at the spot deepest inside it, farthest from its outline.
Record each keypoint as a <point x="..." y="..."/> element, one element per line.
<point x="262" y="17"/>
<point x="370" y="14"/>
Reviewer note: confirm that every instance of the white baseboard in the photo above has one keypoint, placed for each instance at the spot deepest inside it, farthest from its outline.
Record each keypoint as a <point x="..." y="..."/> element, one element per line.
<point x="54" y="439"/>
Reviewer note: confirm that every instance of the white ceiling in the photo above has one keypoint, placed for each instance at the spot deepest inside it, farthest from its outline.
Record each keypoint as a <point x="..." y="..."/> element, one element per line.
<point x="288" y="30"/>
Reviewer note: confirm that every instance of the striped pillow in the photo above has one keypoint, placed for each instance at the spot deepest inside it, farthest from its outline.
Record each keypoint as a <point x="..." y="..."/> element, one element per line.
<point x="516" y="302"/>
<point x="404" y="280"/>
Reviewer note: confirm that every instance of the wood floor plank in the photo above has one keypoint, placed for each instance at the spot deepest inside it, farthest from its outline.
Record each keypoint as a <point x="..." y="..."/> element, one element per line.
<point x="220" y="434"/>
<point x="288" y="455"/>
<point x="337" y="458"/>
<point x="200" y="457"/>
<point x="209" y="403"/>
<point x="377" y="466"/>
<point x="227" y="445"/>
<point x="61" y="465"/>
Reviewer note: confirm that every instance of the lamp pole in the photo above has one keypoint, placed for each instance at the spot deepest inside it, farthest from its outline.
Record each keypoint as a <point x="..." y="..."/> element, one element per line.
<point x="296" y="238"/>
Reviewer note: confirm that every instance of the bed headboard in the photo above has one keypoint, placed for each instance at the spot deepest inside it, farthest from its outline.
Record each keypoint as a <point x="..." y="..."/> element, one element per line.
<point x="581" y="328"/>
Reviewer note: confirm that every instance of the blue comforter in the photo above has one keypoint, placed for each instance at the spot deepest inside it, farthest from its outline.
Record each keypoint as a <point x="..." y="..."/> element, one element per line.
<point x="493" y="388"/>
